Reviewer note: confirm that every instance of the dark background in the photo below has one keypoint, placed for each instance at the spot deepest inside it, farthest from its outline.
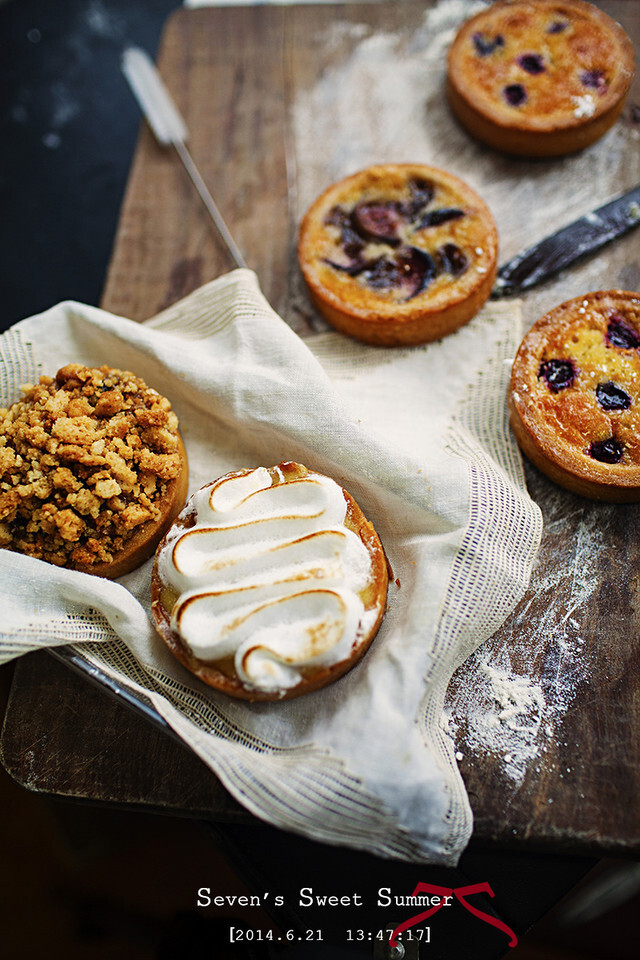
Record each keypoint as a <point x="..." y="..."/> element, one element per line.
<point x="68" y="127"/>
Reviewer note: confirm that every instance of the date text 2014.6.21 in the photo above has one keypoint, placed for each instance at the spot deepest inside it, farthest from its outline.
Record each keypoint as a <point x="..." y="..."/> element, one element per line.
<point x="239" y="934"/>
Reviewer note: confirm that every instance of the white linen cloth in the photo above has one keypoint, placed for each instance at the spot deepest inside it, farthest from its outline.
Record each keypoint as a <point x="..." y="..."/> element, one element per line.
<point x="419" y="437"/>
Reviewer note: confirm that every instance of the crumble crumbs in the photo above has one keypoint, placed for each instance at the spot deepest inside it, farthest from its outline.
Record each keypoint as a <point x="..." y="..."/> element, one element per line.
<point x="85" y="459"/>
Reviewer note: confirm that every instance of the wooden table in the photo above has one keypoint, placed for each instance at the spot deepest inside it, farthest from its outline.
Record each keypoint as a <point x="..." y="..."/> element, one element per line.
<point x="256" y="85"/>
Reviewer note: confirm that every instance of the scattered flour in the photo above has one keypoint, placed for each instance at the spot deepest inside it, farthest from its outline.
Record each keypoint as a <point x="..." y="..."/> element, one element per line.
<point x="508" y="714"/>
<point x="382" y="101"/>
<point x="510" y="698"/>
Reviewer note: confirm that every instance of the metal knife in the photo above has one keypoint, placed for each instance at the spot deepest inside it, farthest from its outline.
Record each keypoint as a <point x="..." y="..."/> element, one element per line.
<point x="572" y="243"/>
<point x="170" y="129"/>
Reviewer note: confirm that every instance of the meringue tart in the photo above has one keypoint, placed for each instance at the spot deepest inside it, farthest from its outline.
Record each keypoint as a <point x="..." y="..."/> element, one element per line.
<point x="270" y="584"/>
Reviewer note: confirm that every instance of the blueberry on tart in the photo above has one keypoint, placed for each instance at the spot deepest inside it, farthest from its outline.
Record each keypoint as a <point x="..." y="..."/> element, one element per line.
<point x="398" y="254"/>
<point x="575" y="395"/>
<point x="539" y="77"/>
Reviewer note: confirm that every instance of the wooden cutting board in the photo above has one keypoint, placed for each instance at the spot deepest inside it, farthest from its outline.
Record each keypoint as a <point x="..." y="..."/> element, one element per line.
<point x="281" y="101"/>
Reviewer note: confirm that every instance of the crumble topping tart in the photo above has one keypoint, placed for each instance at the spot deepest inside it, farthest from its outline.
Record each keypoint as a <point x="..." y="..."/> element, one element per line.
<point x="88" y="461"/>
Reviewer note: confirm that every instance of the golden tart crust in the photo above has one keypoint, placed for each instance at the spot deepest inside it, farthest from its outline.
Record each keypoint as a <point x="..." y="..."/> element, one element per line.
<point x="539" y="77"/>
<point x="221" y="675"/>
<point x="92" y="470"/>
<point x="398" y="254"/>
<point x="574" y="398"/>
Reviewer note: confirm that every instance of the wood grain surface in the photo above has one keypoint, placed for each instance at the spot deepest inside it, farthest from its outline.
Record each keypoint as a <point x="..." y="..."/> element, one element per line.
<point x="547" y="714"/>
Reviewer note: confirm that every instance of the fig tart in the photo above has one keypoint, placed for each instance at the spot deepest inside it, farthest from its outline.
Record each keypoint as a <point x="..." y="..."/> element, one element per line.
<point x="92" y="470"/>
<point x="398" y="254"/>
<point x="539" y="78"/>
<point x="270" y="584"/>
<point x="575" y="395"/>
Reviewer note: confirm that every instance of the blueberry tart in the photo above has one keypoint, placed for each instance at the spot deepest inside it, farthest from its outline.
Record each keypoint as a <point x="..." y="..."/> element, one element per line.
<point x="539" y="77"/>
<point x="270" y="584"/>
<point x="398" y="254"/>
<point x="574" y="398"/>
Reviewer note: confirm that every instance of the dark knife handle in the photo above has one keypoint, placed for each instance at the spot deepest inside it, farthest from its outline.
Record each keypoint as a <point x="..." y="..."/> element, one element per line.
<point x="574" y="242"/>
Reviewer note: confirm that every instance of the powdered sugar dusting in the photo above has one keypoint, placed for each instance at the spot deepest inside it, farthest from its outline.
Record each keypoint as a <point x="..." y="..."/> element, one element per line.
<point x="585" y="106"/>
<point x="514" y="715"/>
<point x="510" y="698"/>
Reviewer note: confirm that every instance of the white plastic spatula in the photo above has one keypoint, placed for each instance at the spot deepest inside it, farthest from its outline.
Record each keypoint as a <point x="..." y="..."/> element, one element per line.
<point x="170" y="129"/>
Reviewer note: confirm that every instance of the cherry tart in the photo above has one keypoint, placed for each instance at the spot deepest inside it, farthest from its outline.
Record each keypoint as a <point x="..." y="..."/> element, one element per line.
<point x="398" y="254"/>
<point x="575" y="395"/>
<point x="539" y="77"/>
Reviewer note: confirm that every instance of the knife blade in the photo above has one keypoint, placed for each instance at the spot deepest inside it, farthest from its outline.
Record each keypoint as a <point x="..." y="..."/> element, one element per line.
<point x="567" y="246"/>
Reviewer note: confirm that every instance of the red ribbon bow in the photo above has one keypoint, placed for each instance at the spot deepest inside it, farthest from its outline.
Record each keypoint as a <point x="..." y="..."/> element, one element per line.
<point x="460" y="893"/>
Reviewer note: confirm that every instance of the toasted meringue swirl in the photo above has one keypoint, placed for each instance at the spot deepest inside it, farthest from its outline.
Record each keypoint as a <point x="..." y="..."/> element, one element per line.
<point x="268" y="576"/>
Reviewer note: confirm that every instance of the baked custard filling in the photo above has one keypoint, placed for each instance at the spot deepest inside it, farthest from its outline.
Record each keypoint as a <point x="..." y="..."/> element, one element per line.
<point x="589" y="386"/>
<point x="400" y="240"/>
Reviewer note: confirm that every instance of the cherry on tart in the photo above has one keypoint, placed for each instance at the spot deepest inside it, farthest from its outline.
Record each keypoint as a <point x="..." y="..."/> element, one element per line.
<point x="539" y="77"/>
<point x="574" y="398"/>
<point x="398" y="254"/>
